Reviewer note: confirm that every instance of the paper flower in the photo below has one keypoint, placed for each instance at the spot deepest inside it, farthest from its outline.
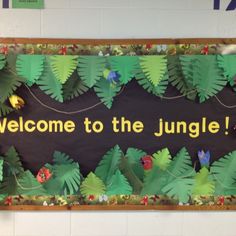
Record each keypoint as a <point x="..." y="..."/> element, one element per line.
<point x="111" y="76"/>
<point x="4" y="50"/>
<point x="161" y="48"/>
<point x="103" y="198"/>
<point x="43" y="175"/>
<point x="16" y="102"/>
<point x="8" y="201"/>
<point x="63" y="50"/>
<point x="147" y="162"/>
<point x="204" y="158"/>
<point x="144" y="201"/>
<point x="205" y="50"/>
<point x="221" y="200"/>
<point x="91" y="197"/>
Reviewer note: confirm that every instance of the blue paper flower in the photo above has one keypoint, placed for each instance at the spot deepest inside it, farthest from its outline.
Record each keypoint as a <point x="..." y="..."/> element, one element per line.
<point x="204" y="158"/>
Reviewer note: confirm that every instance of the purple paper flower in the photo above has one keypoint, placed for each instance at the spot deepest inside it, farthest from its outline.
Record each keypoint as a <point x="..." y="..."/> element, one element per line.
<point x="204" y="158"/>
<point x="113" y="77"/>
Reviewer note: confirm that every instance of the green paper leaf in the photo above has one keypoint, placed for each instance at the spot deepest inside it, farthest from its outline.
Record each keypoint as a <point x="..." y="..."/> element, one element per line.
<point x="133" y="156"/>
<point x="125" y="66"/>
<point x="119" y="185"/>
<point x="106" y="92"/>
<point x="2" y="61"/>
<point x="74" y="87"/>
<point x="8" y="84"/>
<point x="178" y="80"/>
<point x="90" y="69"/>
<point x="1" y="170"/>
<point x="66" y="174"/>
<point x="162" y="159"/>
<point x="179" y="189"/>
<point x="12" y="163"/>
<point x="203" y="183"/>
<point x="109" y="165"/>
<point x="49" y="84"/>
<point x="154" y="181"/>
<point x="228" y="64"/>
<point x="30" y="67"/>
<point x="205" y="75"/>
<point x="224" y="172"/>
<point x="127" y="170"/>
<point x="63" y="66"/>
<point x="9" y="186"/>
<point x="158" y="90"/>
<point x="28" y="185"/>
<point x="4" y="109"/>
<point x="181" y="166"/>
<point x="92" y="185"/>
<point x="154" y="67"/>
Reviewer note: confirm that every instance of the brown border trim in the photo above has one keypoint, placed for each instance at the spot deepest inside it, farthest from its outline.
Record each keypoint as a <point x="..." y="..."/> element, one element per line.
<point x="117" y="41"/>
<point x="118" y="208"/>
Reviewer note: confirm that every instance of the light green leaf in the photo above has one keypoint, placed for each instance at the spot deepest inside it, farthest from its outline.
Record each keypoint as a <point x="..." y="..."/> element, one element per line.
<point x="162" y="159"/>
<point x="109" y="165"/>
<point x="106" y="92"/>
<point x="63" y="66"/>
<point x="203" y="183"/>
<point x="119" y="185"/>
<point x="158" y="90"/>
<point x="30" y="67"/>
<point x="8" y="84"/>
<point x="92" y="185"/>
<point x="125" y="66"/>
<point x="49" y="84"/>
<point x="154" y="67"/>
<point x="2" y="61"/>
<point x="90" y="69"/>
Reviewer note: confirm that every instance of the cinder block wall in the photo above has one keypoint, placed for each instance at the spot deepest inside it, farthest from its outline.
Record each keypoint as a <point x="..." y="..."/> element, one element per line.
<point x="119" y="19"/>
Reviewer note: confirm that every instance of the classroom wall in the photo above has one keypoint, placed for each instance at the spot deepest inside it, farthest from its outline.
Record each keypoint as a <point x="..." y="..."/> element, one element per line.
<point x="119" y="19"/>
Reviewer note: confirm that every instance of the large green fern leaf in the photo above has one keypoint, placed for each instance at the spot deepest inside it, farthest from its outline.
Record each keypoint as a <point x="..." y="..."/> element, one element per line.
<point x="2" y="61"/>
<point x="74" y="87"/>
<point x="4" y="109"/>
<point x="125" y="66"/>
<point x="30" y="67"/>
<point x="90" y="69"/>
<point x="92" y="185"/>
<point x="154" y="67"/>
<point x="109" y="165"/>
<point x="106" y="92"/>
<point x="8" y="84"/>
<point x="49" y="84"/>
<point x="224" y="174"/>
<point x="63" y="66"/>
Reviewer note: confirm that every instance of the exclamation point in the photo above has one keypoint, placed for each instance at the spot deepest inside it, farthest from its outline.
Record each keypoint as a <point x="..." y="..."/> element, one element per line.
<point x="226" y="125"/>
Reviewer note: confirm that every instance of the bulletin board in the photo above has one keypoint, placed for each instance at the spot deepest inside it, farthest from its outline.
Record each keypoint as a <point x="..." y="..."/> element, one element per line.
<point x="117" y="124"/>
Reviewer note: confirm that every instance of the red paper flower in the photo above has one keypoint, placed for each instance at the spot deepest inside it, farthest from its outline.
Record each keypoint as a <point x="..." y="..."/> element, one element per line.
<point x="147" y="162"/>
<point x="63" y="50"/>
<point x="91" y="197"/>
<point x="148" y="46"/>
<point x="4" y="50"/>
<point x="145" y="201"/>
<point x="8" y="201"/>
<point x="43" y="175"/>
<point x="205" y="50"/>
<point x="221" y="200"/>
